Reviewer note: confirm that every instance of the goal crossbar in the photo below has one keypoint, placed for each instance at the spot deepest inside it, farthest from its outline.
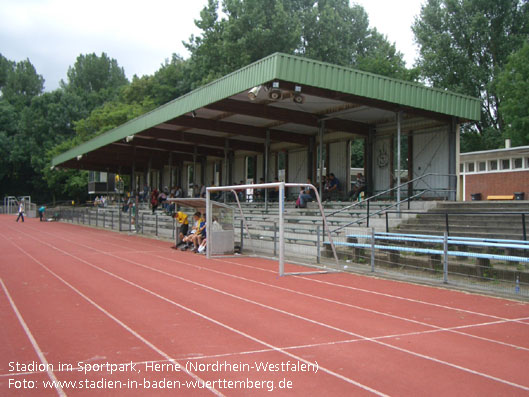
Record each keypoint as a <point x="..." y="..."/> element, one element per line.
<point x="281" y="186"/>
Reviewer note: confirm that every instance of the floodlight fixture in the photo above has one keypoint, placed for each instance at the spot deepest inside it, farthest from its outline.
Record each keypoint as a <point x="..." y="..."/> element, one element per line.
<point x="252" y="94"/>
<point x="129" y="138"/>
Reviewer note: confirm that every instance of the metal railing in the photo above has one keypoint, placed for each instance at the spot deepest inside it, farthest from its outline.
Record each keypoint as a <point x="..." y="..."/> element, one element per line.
<point x="386" y="192"/>
<point x="367" y="202"/>
<point x="446" y="215"/>
<point x="496" y="266"/>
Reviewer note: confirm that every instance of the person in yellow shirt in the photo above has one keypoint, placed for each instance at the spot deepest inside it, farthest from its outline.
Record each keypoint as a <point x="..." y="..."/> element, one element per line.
<point x="184" y="226"/>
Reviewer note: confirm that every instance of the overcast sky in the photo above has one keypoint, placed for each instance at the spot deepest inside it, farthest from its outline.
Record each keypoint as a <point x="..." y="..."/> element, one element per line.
<point x="140" y="35"/>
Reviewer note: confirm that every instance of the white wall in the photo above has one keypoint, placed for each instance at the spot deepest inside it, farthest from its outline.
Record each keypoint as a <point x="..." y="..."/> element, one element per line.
<point x="430" y="155"/>
<point x="338" y="162"/>
<point x="381" y="164"/>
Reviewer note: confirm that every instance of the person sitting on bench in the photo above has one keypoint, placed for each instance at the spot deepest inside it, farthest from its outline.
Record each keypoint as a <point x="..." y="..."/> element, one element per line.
<point x="333" y="187"/>
<point x="359" y="186"/>
<point x="303" y="198"/>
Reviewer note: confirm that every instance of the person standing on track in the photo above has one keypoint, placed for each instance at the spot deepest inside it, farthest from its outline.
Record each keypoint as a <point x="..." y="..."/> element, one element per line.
<point x="41" y="212"/>
<point x="184" y="226"/>
<point x="21" y="210"/>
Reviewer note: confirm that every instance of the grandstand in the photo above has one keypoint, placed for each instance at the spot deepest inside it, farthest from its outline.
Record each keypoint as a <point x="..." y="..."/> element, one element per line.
<point x="305" y="240"/>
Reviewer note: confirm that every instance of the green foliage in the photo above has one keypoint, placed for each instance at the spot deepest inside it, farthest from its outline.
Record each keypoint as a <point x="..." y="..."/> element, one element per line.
<point x="95" y="80"/>
<point x="513" y="89"/>
<point x="64" y="183"/>
<point x="464" y="45"/>
<point x="328" y="30"/>
<point x="19" y="82"/>
<point x="109" y="116"/>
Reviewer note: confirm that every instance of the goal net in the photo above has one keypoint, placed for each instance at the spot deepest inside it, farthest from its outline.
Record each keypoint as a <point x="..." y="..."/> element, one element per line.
<point x="264" y="224"/>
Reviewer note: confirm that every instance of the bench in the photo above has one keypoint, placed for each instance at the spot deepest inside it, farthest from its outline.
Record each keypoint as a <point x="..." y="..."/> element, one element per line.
<point x="501" y="197"/>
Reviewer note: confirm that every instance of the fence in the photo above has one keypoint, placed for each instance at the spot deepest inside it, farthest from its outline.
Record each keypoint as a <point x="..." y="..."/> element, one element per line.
<point x="484" y="265"/>
<point x="113" y="218"/>
<point x="496" y="266"/>
<point x="446" y="216"/>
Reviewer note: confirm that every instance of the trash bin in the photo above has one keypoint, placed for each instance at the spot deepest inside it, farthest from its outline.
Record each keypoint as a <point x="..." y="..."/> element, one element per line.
<point x="475" y="196"/>
<point x="519" y="195"/>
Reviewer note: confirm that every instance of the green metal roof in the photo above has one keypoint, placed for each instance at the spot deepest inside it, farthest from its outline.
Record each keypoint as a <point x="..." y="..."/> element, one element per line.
<point x="296" y="70"/>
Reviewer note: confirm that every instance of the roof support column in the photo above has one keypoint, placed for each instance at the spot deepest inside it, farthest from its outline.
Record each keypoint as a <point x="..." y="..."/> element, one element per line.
<point x="399" y="119"/>
<point x="310" y="159"/>
<point x="133" y="171"/>
<point x="149" y="166"/>
<point x="170" y="184"/>
<point x="369" y="162"/>
<point x="453" y="155"/>
<point x="321" y="131"/>
<point x="266" y="161"/>
<point x="226" y="168"/>
<point x="195" y="152"/>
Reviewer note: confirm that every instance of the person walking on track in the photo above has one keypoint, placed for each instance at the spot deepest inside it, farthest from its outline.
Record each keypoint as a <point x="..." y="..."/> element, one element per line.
<point x="20" y="210"/>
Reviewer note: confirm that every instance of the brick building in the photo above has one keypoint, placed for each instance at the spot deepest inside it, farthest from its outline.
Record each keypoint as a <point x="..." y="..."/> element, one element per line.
<point x="495" y="172"/>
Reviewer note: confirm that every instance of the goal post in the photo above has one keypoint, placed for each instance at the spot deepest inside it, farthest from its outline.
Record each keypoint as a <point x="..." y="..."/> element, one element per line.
<point x="280" y="186"/>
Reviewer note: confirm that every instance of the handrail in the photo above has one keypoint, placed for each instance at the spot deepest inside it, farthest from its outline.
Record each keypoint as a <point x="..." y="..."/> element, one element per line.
<point x="446" y="213"/>
<point x="357" y="221"/>
<point x="389" y="190"/>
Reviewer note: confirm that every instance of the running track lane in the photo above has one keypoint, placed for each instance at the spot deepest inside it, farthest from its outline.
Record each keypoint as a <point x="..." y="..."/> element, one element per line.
<point x="391" y="382"/>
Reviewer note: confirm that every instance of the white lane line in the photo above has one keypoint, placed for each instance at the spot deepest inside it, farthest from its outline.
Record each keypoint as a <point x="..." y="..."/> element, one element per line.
<point x="205" y="317"/>
<point x="456" y="366"/>
<point x="122" y="324"/>
<point x="315" y="280"/>
<point x="320" y="281"/>
<point x="449" y="329"/>
<point x="34" y="343"/>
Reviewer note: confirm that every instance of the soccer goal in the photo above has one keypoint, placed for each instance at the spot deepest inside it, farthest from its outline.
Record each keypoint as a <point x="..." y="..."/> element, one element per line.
<point x="275" y="191"/>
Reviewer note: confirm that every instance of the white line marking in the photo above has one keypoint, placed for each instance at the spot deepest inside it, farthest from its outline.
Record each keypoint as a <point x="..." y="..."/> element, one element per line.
<point x="491" y="377"/>
<point x="449" y="329"/>
<point x="205" y="317"/>
<point x="122" y="324"/>
<point x="31" y="338"/>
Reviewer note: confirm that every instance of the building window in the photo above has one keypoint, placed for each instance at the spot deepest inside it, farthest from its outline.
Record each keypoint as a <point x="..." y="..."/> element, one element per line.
<point x="470" y="167"/>
<point x="482" y="166"/>
<point x="517" y="163"/>
<point x="527" y="162"/>
<point x="505" y="164"/>
<point x="493" y="165"/>
<point x="461" y="168"/>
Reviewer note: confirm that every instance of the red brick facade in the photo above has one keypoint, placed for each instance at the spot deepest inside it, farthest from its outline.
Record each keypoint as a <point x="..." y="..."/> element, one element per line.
<point x="497" y="183"/>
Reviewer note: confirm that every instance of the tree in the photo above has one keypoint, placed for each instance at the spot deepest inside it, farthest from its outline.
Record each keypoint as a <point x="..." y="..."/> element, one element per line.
<point x="325" y="30"/>
<point x="252" y="30"/>
<point x="464" y="45"/>
<point x="513" y="89"/>
<point x="19" y="82"/>
<point x="95" y="80"/>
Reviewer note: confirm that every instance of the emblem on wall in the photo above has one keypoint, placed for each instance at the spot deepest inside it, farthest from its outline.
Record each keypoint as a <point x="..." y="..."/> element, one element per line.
<point x="382" y="157"/>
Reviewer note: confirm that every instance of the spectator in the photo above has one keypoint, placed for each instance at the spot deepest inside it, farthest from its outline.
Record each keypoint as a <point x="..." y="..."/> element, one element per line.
<point x="184" y="226"/>
<point x="303" y="199"/>
<point x="189" y="239"/>
<point x="41" y="212"/>
<point x="154" y="200"/>
<point x="359" y="186"/>
<point x="179" y="192"/>
<point x="200" y="235"/>
<point x="334" y="183"/>
<point x="333" y="186"/>
<point x="308" y="188"/>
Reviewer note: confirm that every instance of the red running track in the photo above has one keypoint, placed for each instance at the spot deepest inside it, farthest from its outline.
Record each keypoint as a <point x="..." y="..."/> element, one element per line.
<point x="85" y="312"/>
